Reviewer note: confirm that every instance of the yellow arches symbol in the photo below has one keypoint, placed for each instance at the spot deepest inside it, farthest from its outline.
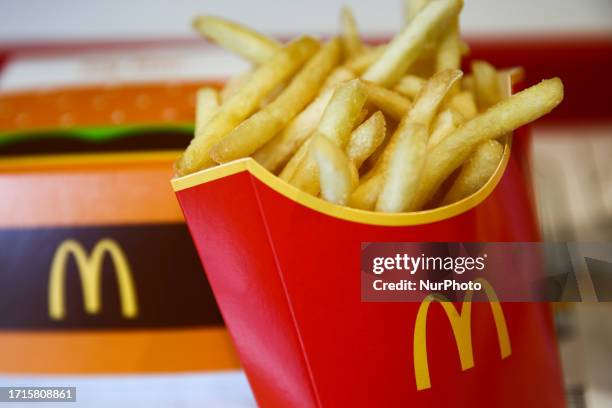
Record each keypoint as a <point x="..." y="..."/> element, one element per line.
<point x="90" y="268"/>
<point x="461" y="325"/>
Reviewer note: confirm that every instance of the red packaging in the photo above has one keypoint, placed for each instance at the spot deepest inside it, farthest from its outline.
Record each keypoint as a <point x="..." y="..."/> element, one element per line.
<point x="284" y="267"/>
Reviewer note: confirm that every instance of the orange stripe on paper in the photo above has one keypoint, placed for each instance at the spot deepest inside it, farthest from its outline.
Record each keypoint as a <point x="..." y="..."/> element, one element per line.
<point x="88" y="190"/>
<point x="135" y="351"/>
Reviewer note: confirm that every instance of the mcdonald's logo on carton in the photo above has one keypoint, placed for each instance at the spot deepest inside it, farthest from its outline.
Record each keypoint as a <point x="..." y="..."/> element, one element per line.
<point x="461" y="325"/>
<point x="90" y="269"/>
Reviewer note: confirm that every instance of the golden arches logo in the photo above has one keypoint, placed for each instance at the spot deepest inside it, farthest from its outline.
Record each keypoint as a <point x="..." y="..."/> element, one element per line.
<point x="90" y="268"/>
<point x="461" y="324"/>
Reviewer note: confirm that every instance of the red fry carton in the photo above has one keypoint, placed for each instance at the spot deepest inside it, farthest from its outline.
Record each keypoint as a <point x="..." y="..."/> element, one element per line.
<point x="284" y="267"/>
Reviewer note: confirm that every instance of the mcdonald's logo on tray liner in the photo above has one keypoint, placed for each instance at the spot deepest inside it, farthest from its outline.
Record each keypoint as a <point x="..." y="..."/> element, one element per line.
<point x="103" y="277"/>
<point x="84" y="299"/>
<point x="90" y="269"/>
<point x="461" y="325"/>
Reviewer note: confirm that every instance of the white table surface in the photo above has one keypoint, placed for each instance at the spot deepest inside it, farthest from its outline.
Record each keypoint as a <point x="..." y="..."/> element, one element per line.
<point x="224" y="389"/>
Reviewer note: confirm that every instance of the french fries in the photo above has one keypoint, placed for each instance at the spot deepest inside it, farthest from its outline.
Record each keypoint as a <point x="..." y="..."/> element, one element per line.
<point x="342" y="112"/>
<point x="207" y="104"/>
<point x="425" y="107"/>
<point x="502" y="118"/>
<point x="406" y="47"/>
<point x="250" y="44"/>
<point x="488" y="92"/>
<point x="465" y="104"/>
<point x="337" y="175"/>
<point x="468" y="85"/>
<point x="234" y="84"/>
<point x="446" y="122"/>
<point x="336" y="124"/>
<point x="403" y="171"/>
<point x="378" y="128"/>
<point x="412" y="8"/>
<point x="366" y="194"/>
<point x="350" y="37"/>
<point x="338" y="76"/>
<point x="448" y="55"/>
<point x="361" y="62"/>
<point x="277" y="152"/>
<point x="410" y="86"/>
<point x="390" y="102"/>
<point x="255" y="131"/>
<point x="432" y="95"/>
<point x="274" y="154"/>
<point x="476" y="171"/>
<point x="291" y="168"/>
<point x="244" y="102"/>
<point x="366" y="138"/>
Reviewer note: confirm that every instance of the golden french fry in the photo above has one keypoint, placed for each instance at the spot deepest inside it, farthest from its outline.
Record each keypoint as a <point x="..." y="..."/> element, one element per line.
<point x="427" y="102"/>
<point x="468" y="84"/>
<point x="445" y="123"/>
<point x="207" y="104"/>
<point x="243" y="41"/>
<point x="373" y="161"/>
<point x="390" y="102"/>
<point x="403" y="171"/>
<point x="464" y="47"/>
<point x="410" y="86"/>
<point x="305" y="174"/>
<point x="343" y="110"/>
<point x="423" y="111"/>
<point x="294" y="163"/>
<point x="465" y="104"/>
<point x="234" y="84"/>
<point x="336" y="124"/>
<point x="488" y="91"/>
<point x="448" y="55"/>
<point x="257" y="130"/>
<point x="336" y="172"/>
<point x="264" y="79"/>
<point x="338" y="75"/>
<point x="275" y="154"/>
<point x="502" y="118"/>
<point x="361" y="117"/>
<point x="361" y="62"/>
<point x="423" y="67"/>
<point x="366" y="194"/>
<point x="406" y="47"/>
<point x="366" y="138"/>
<point x="412" y="8"/>
<point x="350" y="36"/>
<point x="476" y="171"/>
<point x="275" y="93"/>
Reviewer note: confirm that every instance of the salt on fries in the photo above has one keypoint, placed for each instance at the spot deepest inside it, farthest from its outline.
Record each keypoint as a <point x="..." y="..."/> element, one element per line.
<point x="379" y="128"/>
